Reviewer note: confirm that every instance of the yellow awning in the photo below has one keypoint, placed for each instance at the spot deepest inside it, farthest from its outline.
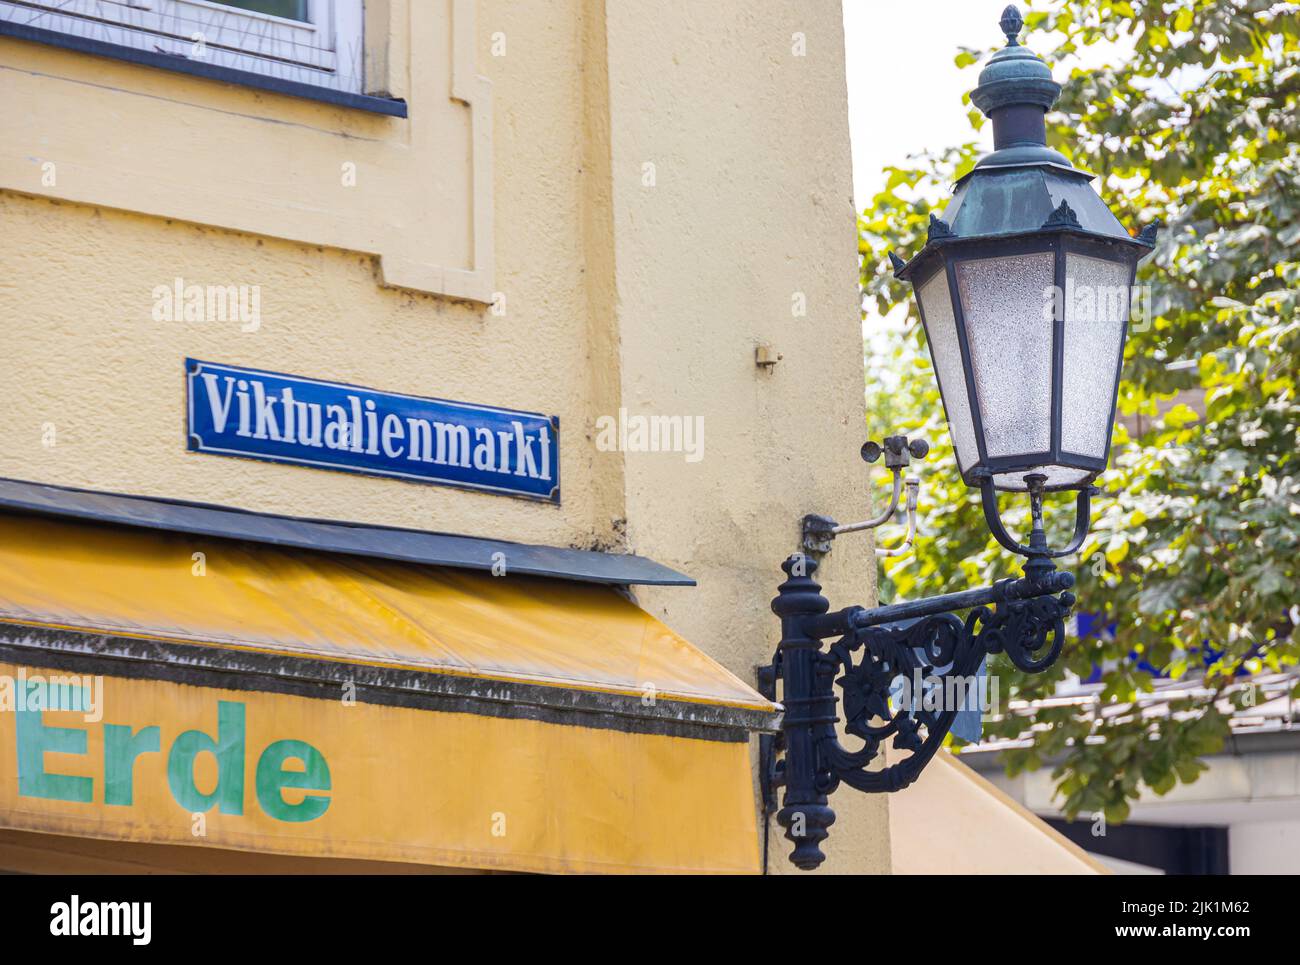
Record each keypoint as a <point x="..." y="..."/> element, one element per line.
<point x="466" y="719"/>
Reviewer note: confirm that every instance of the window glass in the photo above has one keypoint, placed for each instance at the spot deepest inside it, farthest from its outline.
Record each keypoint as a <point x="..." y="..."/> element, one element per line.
<point x="317" y="42"/>
<point x="288" y="9"/>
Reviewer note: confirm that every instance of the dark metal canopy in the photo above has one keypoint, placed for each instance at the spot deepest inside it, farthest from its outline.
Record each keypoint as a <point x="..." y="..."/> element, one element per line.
<point x="384" y="542"/>
<point x="1023" y="187"/>
<point x="1025" y="288"/>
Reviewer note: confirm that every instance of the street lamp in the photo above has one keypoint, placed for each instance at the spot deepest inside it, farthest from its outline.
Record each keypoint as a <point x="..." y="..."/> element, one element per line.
<point x="1024" y="288"/>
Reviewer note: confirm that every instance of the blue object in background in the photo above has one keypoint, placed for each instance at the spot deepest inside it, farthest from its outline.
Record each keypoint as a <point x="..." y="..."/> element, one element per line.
<point x="969" y="725"/>
<point x="1091" y="625"/>
<point x="969" y="722"/>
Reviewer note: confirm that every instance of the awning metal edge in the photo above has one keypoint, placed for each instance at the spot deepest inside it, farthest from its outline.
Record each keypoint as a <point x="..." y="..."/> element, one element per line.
<point x="382" y="542"/>
<point x="201" y="665"/>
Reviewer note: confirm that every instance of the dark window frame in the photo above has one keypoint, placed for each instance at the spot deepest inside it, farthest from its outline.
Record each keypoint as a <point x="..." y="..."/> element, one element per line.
<point x="391" y="107"/>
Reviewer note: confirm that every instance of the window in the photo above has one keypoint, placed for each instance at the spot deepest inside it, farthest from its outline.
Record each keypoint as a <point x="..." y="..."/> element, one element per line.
<point x="315" y="42"/>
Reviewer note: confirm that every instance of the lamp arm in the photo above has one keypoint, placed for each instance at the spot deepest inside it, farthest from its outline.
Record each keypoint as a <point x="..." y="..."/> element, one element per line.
<point x="880" y="520"/>
<point x="819" y="531"/>
<point x="1082" y="520"/>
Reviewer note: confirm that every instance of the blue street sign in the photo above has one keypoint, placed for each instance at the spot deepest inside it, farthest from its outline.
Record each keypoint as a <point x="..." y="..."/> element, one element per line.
<point x="330" y="425"/>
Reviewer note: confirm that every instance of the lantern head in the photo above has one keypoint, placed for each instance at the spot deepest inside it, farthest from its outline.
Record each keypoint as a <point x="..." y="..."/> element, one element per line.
<point x="1025" y="288"/>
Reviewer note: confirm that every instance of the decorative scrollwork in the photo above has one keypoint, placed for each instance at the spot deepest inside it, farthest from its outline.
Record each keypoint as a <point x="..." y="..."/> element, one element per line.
<point x="871" y="660"/>
<point x="939" y="230"/>
<point x="1022" y="628"/>
<point x="866" y="663"/>
<point x="889" y="652"/>
<point x="1062" y="217"/>
<point x="926" y="644"/>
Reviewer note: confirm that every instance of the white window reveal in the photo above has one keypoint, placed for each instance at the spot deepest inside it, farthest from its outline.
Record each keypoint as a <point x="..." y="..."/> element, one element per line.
<point x="317" y="42"/>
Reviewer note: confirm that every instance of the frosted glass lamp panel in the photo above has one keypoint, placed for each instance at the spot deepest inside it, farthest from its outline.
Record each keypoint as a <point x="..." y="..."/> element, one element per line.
<point x="1007" y="304"/>
<point x="945" y="352"/>
<point x="1096" y="301"/>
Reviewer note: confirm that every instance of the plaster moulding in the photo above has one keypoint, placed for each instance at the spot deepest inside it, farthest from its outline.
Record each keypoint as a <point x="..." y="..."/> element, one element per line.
<point x="416" y="192"/>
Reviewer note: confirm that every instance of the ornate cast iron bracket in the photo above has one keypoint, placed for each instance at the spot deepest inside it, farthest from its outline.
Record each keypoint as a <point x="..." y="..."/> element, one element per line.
<point x="864" y="651"/>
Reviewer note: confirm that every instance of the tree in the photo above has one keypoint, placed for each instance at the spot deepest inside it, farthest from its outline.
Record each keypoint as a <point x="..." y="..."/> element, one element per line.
<point x="1192" y="560"/>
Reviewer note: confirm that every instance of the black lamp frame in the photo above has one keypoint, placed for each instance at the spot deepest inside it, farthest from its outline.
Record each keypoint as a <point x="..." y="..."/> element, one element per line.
<point x="945" y="256"/>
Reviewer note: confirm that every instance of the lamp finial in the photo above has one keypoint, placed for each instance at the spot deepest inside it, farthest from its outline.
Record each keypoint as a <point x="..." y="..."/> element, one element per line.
<point x="1012" y="23"/>
<point x="1013" y="77"/>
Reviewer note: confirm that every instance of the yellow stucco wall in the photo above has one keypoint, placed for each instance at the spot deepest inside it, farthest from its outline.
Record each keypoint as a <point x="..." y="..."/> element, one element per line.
<point x="752" y="210"/>
<point x="107" y="377"/>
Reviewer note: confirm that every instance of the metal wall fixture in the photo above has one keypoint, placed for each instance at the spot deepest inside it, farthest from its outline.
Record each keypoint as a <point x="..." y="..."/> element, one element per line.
<point x="820" y="531"/>
<point x="913" y="499"/>
<point x="1029" y="375"/>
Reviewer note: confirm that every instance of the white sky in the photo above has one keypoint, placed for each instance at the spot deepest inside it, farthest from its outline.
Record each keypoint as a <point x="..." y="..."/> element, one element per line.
<point x="905" y="96"/>
<point x="904" y="91"/>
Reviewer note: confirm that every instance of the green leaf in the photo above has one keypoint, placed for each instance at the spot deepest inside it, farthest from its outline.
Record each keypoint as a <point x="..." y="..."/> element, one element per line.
<point x="1181" y="415"/>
